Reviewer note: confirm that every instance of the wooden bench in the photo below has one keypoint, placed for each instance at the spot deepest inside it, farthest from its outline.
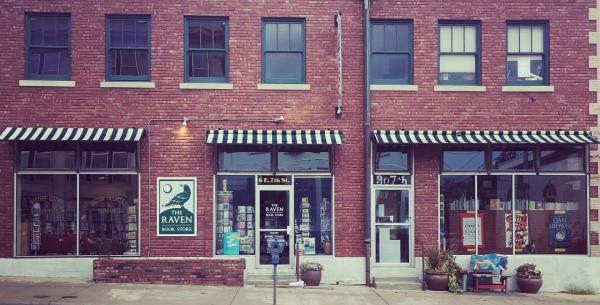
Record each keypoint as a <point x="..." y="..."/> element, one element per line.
<point x="502" y="286"/>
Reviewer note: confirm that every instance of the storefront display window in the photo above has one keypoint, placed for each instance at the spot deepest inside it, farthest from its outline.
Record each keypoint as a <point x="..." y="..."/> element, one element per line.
<point x="494" y="196"/>
<point x="561" y="159"/>
<point x="232" y="160"/>
<point x="391" y="158"/>
<point x="554" y="209"/>
<point x="313" y="215"/>
<point x="108" y="214"/>
<point x="53" y="210"/>
<point x="457" y="214"/>
<point x="463" y="160"/>
<point x="506" y="158"/>
<point x="47" y="215"/>
<point x="235" y="215"/>
<point x="303" y="160"/>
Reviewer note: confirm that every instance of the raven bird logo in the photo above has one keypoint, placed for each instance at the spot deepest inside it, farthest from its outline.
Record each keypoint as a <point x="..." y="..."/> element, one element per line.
<point x="181" y="198"/>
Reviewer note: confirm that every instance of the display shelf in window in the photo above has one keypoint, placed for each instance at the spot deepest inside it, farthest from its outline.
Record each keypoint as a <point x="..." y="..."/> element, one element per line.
<point x="325" y="217"/>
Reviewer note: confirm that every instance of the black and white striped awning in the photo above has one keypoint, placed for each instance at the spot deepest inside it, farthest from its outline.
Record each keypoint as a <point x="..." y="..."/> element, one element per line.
<point x="483" y="137"/>
<point x="276" y="137"/>
<point x="72" y="134"/>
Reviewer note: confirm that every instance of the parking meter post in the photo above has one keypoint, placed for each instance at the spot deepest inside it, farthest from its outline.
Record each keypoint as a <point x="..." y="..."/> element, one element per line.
<point x="274" y="284"/>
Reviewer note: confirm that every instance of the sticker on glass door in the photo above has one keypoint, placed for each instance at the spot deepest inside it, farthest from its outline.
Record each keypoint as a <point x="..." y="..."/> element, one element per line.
<point x="274" y="223"/>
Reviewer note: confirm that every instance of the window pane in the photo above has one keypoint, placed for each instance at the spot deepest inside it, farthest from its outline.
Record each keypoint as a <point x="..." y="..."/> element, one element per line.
<point x="392" y="244"/>
<point x="296" y="37"/>
<point x="46" y="213"/>
<point x="525" y="38"/>
<point x="563" y="159"/>
<point x="36" y="30"/>
<point x="206" y="64"/>
<point x="458" y="39"/>
<point x="49" y="157"/>
<point x="495" y="210"/>
<point x="194" y="34"/>
<point x="378" y="37"/>
<point x="470" y="39"/>
<point x="524" y="68"/>
<point x="245" y="160"/>
<point x="287" y="66"/>
<point x="270" y="36"/>
<point x="303" y="160"/>
<point x="513" y="38"/>
<point x="457" y="67"/>
<point x="391" y="159"/>
<point x="129" y="33"/>
<point x="235" y="214"/>
<point x="206" y="35"/>
<point x="390" y="67"/>
<point x="108" y="214"/>
<point x="457" y="205"/>
<point x="403" y="37"/>
<point x="445" y="39"/>
<point x="219" y="34"/>
<point x="537" y="38"/>
<point x="141" y="33"/>
<point x="283" y="36"/>
<point x="313" y="215"/>
<point x="391" y="206"/>
<point x="464" y="160"/>
<point x="390" y="37"/>
<point x="553" y="211"/>
<point x="507" y="158"/>
<point x="48" y="61"/>
<point x="108" y="156"/>
<point x="116" y="33"/>
<point x="129" y="62"/>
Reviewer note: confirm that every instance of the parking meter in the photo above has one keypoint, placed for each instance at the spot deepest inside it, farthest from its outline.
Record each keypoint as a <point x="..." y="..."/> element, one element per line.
<point x="275" y="246"/>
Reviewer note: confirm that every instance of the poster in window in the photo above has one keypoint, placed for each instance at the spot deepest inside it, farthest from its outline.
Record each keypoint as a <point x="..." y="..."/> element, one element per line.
<point x="231" y="243"/>
<point x="521" y="231"/>
<point x="559" y="231"/>
<point x="308" y="244"/>
<point x="472" y="232"/>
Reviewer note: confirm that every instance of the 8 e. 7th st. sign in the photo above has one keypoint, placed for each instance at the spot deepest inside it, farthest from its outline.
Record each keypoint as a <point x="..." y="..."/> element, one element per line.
<point x="176" y="208"/>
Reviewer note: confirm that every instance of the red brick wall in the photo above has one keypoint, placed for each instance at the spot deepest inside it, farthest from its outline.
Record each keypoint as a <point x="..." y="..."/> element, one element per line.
<point x="170" y="271"/>
<point x="178" y="153"/>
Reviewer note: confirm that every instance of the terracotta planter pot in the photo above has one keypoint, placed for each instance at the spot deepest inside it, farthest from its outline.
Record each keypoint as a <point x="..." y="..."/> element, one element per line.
<point x="437" y="281"/>
<point x="529" y="284"/>
<point x="311" y="277"/>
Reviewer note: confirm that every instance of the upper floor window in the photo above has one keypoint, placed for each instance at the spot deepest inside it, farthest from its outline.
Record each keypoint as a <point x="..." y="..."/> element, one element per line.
<point x="47" y="46"/>
<point x="392" y="158"/>
<point x="527" y="53"/>
<point x="459" y="53"/>
<point x="206" y="46"/>
<point x="391" y="52"/>
<point x="463" y="159"/>
<point x="283" y="51"/>
<point x="303" y="159"/>
<point x="128" y="48"/>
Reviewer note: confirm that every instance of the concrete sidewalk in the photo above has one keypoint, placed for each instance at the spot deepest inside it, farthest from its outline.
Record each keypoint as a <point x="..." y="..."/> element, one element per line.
<point x="53" y="291"/>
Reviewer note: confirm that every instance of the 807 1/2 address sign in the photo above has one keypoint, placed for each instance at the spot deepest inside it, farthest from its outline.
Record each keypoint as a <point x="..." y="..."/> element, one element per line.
<point x="391" y="179"/>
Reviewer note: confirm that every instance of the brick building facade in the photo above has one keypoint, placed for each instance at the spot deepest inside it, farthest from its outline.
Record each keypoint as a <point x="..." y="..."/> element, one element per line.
<point x="95" y="96"/>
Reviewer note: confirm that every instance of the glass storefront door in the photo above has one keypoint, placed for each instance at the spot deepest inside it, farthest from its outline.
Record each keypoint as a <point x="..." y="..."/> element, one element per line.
<point x="274" y="222"/>
<point x="393" y="226"/>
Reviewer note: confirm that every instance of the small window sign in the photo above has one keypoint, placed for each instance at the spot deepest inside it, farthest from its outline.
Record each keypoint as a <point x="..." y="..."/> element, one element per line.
<point x="391" y="179"/>
<point x="274" y="180"/>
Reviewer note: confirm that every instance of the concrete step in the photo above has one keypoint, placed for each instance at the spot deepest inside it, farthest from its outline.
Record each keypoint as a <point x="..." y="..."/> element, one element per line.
<point x="267" y="279"/>
<point x="397" y="283"/>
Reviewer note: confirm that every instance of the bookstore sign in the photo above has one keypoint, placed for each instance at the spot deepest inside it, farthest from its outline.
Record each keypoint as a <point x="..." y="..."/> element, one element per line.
<point x="176" y="206"/>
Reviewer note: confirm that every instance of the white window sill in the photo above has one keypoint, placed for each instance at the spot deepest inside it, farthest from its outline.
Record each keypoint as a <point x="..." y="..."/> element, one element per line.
<point x="527" y="88"/>
<point x="394" y="87"/>
<point x="459" y="88"/>
<point x="46" y="83"/>
<point x="141" y="85"/>
<point x="206" y="86"/>
<point x="293" y="87"/>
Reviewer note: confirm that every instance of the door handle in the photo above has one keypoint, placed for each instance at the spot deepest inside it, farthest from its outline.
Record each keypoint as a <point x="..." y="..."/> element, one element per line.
<point x="289" y="230"/>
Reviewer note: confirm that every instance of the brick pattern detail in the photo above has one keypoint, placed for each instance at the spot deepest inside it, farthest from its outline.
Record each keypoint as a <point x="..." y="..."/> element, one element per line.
<point x="594" y="111"/>
<point x="170" y="271"/>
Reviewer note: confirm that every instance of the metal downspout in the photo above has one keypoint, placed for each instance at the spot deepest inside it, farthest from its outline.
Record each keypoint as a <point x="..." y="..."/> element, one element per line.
<point x="367" y="140"/>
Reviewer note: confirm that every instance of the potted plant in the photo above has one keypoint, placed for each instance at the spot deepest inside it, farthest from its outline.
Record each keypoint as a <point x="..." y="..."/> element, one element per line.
<point x="529" y="279"/>
<point x="438" y="267"/>
<point x="310" y="273"/>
